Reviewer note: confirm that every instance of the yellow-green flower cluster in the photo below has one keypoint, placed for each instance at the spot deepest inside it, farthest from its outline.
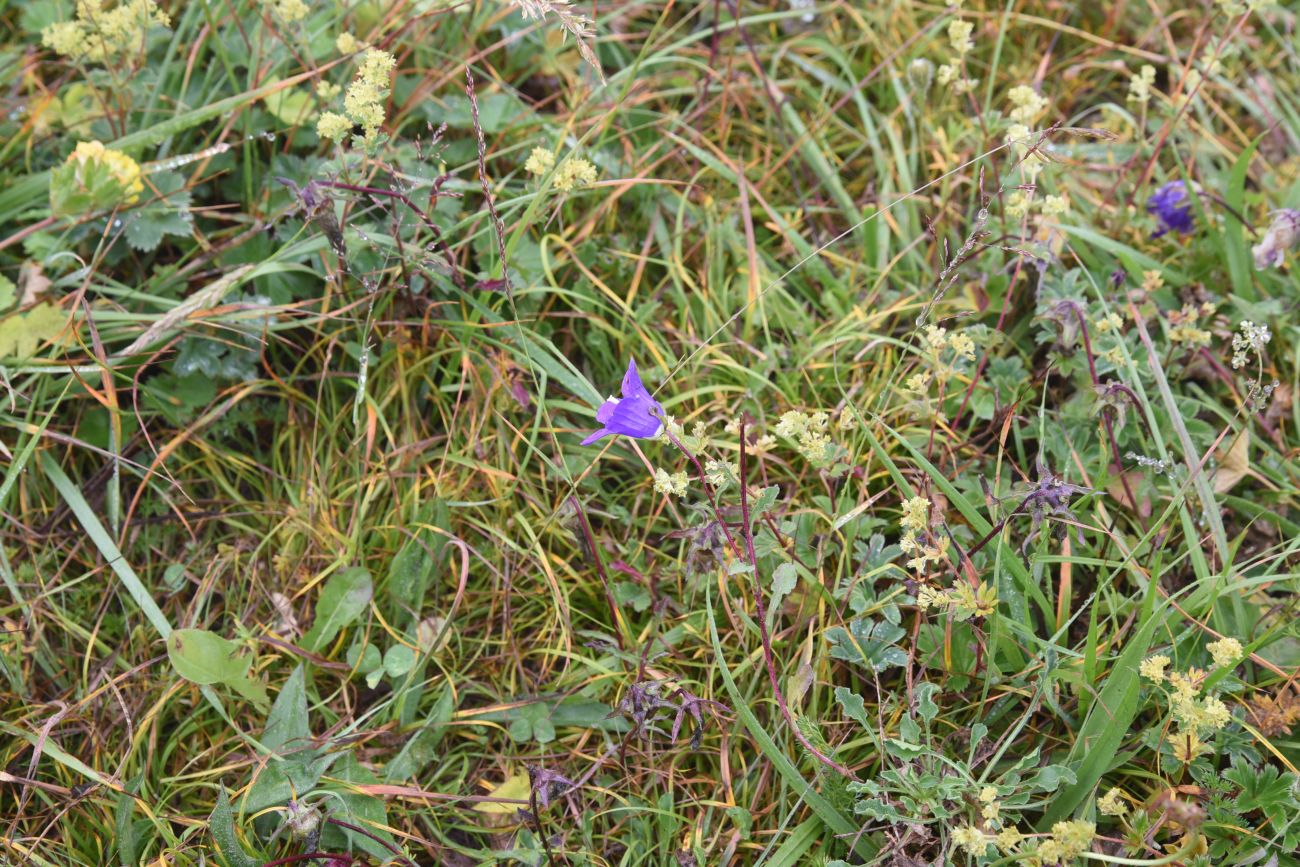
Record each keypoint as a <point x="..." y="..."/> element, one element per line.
<point x="1020" y="203"/>
<point x="573" y="173"/>
<point x="288" y="11"/>
<point x="1008" y="839"/>
<point x="346" y="43"/>
<point x="1069" y="840"/>
<point x="970" y="601"/>
<point x="1153" y="667"/>
<point x="333" y="126"/>
<point x="1193" y="713"/>
<point x="1240" y="7"/>
<point x="672" y="484"/>
<point x="1226" y="652"/>
<point x="363" y="104"/>
<point x="720" y="473"/>
<point x="1029" y="104"/>
<point x="949" y="351"/>
<point x="94" y="178"/>
<point x="964" y="601"/>
<point x="991" y="809"/>
<point x="946" y="354"/>
<point x="99" y="35"/>
<point x="1139" y="86"/>
<point x="1111" y="322"/>
<point x="975" y="839"/>
<point x="971" y="839"/>
<point x="1110" y="329"/>
<point x="540" y="161"/>
<point x="1112" y="803"/>
<point x="961" y="43"/>
<point x="1184" y="326"/>
<point x="959" y="37"/>
<point x="809" y="432"/>
<point x="916" y="516"/>
<point x="920" y="542"/>
<point x="760" y="446"/>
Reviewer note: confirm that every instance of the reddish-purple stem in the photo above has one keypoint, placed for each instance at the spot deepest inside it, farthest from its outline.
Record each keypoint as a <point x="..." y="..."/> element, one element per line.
<point x="760" y="609"/>
<point x="600" y="568"/>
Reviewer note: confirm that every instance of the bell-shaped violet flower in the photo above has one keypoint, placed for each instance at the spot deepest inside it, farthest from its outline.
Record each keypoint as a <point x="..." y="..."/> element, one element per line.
<point x="635" y="414"/>
<point x="1173" y="209"/>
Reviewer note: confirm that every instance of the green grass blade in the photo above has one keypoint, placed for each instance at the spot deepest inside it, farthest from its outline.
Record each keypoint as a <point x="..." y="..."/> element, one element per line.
<point x="107" y="547"/>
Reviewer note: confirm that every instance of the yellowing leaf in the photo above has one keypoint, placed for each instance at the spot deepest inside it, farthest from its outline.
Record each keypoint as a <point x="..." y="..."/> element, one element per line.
<point x="1117" y="489"/>
<point x="32" y="281"/>
<point x="1234" y="464"/>
<point x="513" y="788"/>
<point x="291" y="105"/>
<point x="22" y="334"/>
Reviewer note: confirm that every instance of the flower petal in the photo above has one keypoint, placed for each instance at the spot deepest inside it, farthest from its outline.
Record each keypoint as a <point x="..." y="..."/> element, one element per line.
<point x="607" y="409"/>
<point x="632" y="386"/>
<point x="635" y="417"/>
<point x="603" y="432"/>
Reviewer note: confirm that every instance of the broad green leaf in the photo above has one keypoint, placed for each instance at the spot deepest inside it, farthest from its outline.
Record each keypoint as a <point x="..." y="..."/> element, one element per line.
<point x="344" y="597"/>
<point x="398" y="660"/>
<point x="21" y="334"/>
<point x="764" y="502"/>
<point x="287" y="724"/>
<point x="291" y="777"/>
<point x="925" y="706"/>
<point x="357" y="808"/>
<point x="365" y="659"/>
<point x="1051" y="778"/>
<point x="853" y="705"/>
<point x="631" y="594"/>
<point x="292" y="106"/>
<point x="879" y="811"/>
<point x="577" y="712"/>
<point x="167" y="212"/>
<point x="869" y="642"/>
<point x="521" y="730"/>
<point x="222" y="825"/>
<point x="784" y="579"/>
<point x="206" y="658"/>
<point x="413" y="567"/>
<point x="422" y="747"/>
<point x="543" y="730"/>
<point x="128" y="843"/>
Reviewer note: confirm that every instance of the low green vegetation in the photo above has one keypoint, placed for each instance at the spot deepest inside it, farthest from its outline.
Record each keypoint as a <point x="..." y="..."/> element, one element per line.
<point x="943" y="509"/>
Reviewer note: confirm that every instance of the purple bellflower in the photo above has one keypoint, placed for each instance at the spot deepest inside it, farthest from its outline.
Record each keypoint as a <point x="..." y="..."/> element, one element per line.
<point x="635" y="414"/>
<point x="1173" y="209"/>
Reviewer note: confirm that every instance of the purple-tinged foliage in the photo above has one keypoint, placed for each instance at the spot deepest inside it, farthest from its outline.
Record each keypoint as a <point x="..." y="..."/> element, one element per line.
<point x="548" y="785"/>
